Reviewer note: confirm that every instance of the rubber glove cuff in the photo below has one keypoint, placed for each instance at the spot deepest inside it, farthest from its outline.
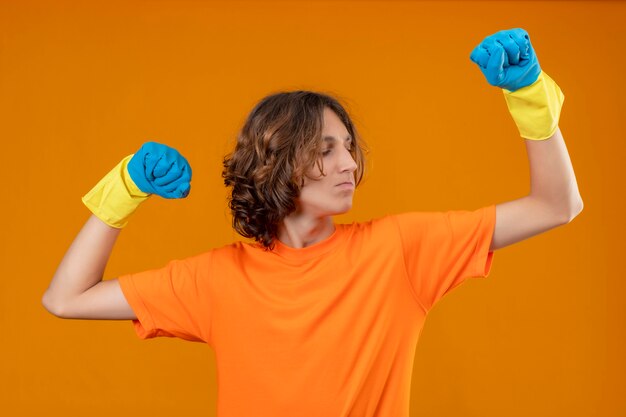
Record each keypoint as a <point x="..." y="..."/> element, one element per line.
<point x="116" y="197"/>
<point x="536" y="108"/>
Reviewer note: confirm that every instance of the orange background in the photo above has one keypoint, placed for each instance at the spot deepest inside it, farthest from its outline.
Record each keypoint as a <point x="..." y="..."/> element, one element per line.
<point x="84" y="84"/>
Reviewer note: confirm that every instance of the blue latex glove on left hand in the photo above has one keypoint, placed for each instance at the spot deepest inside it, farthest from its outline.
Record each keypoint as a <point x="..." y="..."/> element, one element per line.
<point x="160" y="169"/>
<point x="507" y="59"/>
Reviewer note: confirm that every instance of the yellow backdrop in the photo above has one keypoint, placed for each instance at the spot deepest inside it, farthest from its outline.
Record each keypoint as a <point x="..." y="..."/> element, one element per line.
<point x="83" y="84"/>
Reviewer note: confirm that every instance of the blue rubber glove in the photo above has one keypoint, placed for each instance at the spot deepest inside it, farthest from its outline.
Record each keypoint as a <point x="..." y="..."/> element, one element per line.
<point x="507" y="59"/>
<point x="159" y="169"/>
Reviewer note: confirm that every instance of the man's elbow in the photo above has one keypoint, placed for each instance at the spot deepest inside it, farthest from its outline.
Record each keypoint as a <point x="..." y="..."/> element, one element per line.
<point x="574" y="211"/>
<point x="53" y="306"/>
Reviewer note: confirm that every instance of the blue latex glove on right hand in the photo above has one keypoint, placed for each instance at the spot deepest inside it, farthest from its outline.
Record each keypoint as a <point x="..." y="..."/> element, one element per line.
<point x="507" y="59"/>
<point x="160" y="169"/>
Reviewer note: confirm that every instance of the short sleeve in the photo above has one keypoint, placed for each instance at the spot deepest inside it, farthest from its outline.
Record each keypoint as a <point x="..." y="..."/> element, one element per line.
<point x="172" y="301"/>
<point x="442" y="249"/>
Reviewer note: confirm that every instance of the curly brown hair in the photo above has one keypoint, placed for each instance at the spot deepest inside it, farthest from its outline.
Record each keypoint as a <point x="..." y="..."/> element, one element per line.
<point x="279" y="142"/>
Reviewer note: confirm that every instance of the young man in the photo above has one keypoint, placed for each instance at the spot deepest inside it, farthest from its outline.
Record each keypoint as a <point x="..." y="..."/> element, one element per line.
<point x="315" y="318"/>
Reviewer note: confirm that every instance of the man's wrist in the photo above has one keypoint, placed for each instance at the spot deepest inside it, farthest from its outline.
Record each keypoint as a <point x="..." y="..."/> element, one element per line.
<point x="536" y="108"/>
<point x="115" y="198"/>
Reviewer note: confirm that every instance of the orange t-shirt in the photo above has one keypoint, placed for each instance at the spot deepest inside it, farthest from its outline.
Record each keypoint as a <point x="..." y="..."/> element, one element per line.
<point x="326" y="330"/>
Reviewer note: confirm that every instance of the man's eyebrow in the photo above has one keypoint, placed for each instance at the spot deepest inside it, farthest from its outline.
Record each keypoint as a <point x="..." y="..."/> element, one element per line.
<point x="332" y="138"/>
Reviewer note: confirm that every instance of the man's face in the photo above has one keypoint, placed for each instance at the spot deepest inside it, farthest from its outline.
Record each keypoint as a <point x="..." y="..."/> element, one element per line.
<point x="331" y="194"/>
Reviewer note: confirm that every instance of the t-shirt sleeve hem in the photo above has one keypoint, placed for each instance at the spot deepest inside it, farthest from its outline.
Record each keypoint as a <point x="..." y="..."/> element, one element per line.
<point x="144" y="324"/>
<point x="482" y="255"/>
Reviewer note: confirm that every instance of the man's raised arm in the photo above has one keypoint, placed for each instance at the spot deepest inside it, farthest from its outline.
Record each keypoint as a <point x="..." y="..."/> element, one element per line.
<point x="77" y="289"/>
<point x="508" y="61"/>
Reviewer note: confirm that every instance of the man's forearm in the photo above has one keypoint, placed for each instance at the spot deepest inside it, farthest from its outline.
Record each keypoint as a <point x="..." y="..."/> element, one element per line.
<point x="552" y="177"/>
<point x="82" y="266"/>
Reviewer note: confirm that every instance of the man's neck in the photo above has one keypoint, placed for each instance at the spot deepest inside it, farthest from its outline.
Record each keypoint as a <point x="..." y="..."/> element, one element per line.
<point x="299" y="230"/>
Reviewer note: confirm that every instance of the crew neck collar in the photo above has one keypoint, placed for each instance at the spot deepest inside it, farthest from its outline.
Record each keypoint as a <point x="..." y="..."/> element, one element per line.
<point x="309" y="252"/>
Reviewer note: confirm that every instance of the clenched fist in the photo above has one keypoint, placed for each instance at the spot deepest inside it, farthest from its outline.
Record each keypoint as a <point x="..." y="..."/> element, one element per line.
<point x="507" y="59"/>
<point x="160" y="169"/>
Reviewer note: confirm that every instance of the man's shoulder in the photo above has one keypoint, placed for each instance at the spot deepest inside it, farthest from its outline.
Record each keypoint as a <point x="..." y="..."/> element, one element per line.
<point x="382" y="224"/>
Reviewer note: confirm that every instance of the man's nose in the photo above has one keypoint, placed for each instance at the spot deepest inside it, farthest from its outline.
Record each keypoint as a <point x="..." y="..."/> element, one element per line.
<point x="347" y="161"/>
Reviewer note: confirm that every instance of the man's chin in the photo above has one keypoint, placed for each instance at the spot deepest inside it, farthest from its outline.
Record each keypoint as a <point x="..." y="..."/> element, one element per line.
<point x="343" y="210"/>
